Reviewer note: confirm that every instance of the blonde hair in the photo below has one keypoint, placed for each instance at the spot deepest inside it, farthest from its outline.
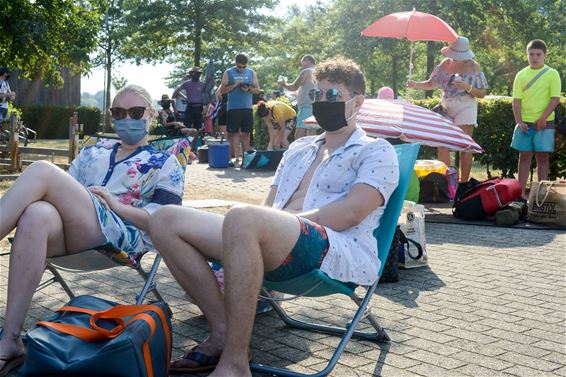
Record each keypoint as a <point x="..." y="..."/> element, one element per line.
<point x="137" y="91"/>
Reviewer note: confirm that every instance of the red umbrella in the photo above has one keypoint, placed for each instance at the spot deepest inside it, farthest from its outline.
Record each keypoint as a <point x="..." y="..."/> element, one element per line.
<point x="411" y="123"/>
<point x="413" y="25"/>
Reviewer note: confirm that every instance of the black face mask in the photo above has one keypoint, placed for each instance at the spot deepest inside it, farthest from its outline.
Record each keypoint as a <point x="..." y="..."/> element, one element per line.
<point x="195" y="78"/>
<point x="166" y="106"/>
<point x="330" y="116"/>
<point x="7" y="77"/>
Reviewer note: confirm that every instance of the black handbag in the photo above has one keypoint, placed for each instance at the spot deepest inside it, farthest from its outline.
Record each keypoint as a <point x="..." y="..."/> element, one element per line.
<point x="390" y="272"/>
<point x="439" y="109"/>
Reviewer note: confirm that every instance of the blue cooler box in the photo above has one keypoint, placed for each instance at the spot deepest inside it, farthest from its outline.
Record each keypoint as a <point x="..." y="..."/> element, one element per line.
<point x="218" y="155"/>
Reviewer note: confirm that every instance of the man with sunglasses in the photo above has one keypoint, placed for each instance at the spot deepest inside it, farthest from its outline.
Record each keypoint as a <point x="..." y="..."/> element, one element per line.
<point x="240" y="82"/>
<point x="327" y="197"/>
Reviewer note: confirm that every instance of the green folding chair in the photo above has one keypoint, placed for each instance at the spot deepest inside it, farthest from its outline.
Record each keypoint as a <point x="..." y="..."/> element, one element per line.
<point x="316" y="283"/>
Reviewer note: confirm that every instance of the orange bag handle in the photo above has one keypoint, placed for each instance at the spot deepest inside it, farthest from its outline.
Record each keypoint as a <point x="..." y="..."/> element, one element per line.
<point x="115" y="314"/>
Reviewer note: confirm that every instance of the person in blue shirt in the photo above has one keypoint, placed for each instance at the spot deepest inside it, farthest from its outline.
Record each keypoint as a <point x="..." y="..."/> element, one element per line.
<point x="240" y="82"/>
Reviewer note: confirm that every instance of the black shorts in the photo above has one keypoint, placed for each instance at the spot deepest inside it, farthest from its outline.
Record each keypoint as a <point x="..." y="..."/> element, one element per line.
<point x="222" y="115"/>
<point x="193" y="117"/>
<point x="240" y="120"/>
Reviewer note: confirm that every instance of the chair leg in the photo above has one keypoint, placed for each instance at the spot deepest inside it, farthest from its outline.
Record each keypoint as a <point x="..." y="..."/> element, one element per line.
<point x="150" y="285"/>
<point x="57" y="278"/>
<point x="347" y="333"/>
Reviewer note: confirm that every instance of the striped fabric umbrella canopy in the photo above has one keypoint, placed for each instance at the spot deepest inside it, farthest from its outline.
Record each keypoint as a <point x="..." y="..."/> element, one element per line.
<point x="411" y="123"/>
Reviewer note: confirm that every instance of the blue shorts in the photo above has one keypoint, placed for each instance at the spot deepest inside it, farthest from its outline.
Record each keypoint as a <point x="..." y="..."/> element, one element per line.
<point x="304" y="113"/>
<point x="307" y="254"/>
<point x="534" y="141"/>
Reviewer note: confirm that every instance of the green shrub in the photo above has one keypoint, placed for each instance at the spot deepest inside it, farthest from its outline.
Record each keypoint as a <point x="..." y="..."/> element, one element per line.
<point x="52" y="122"/>
<point x="494" y="133"/>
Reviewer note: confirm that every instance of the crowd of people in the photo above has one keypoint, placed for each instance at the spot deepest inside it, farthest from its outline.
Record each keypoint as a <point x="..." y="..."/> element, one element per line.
<point x="327" y="196"/>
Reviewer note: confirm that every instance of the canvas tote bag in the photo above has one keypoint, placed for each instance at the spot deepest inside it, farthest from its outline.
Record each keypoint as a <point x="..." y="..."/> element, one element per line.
<point x="547" y="203"/>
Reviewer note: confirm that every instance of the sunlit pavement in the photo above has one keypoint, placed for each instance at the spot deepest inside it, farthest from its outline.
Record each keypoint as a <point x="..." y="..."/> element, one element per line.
<point x="492" y="302"/>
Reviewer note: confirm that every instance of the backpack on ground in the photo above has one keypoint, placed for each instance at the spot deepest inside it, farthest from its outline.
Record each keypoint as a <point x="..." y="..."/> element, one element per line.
<point x="434" y="189"/>
<point x="486" y="198"/>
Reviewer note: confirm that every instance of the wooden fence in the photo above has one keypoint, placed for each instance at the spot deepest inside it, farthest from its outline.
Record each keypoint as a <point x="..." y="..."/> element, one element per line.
<point x="11" y="153"/>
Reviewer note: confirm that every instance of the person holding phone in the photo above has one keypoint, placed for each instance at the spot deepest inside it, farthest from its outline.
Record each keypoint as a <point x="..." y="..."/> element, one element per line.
<point x="240" y="83"/>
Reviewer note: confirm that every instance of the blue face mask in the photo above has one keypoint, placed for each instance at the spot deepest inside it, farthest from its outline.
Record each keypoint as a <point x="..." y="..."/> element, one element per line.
<point x="131" y="131"/>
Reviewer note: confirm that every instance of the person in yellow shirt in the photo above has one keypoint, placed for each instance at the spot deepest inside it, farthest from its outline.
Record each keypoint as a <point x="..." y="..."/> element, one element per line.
<point x="536" y="93"/>
<point x="279" y="119"/>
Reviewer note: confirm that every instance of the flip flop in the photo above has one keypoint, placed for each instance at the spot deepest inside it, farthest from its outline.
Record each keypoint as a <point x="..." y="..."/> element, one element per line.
<point x="11" y="364"/>
<point x="204" y="362"/>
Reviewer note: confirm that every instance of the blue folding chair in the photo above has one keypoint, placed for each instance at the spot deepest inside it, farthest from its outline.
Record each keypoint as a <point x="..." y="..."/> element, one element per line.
<point x="316" y="283"/>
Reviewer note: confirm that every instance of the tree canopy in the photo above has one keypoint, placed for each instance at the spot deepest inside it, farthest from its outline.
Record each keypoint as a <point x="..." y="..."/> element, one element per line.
<point x="40" y="36"/>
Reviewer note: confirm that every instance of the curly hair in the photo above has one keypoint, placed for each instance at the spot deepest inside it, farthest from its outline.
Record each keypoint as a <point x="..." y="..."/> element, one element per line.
<point x="342" y="71"/>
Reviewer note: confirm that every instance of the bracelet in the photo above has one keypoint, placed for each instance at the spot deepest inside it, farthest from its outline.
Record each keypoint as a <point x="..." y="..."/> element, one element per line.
<point x="471" y="88"/>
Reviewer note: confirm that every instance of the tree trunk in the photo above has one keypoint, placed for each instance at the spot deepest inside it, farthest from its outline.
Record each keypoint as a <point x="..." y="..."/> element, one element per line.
<point x="430" y="53"/>
<point x="107" y="120"/>
<point x="198" y="32"/>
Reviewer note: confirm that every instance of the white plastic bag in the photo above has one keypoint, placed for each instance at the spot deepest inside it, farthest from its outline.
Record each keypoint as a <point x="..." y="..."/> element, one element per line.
<point x="412" y="224"/>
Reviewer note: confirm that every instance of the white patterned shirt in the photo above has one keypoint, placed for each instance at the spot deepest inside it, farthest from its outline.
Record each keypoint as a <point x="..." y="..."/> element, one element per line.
<point x="352" y="256"/>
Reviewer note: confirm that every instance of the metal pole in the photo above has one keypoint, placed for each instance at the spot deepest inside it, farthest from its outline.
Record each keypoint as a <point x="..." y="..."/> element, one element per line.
<point x="410" y="70"/>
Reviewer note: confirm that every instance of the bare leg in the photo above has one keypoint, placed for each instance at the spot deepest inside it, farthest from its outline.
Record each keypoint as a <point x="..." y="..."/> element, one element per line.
<point x="40" y="231"/>
<point x="542" y="165"/>
<point x="186" y="251"/>
<point x="466" y="157"/>
<point x="444" y="155"/>
<point x="43" y="181"/>
<point x="524" y="168"/>
<point x="245" y="142"/>
<point x="285" y="140"/>
<point x="272" y="132"/>
<point x="268" y="238"/>
<point x="234" y="143"/>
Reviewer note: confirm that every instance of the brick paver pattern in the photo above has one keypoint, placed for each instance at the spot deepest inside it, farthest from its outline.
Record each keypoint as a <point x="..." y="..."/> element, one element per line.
<point x="491" y="302"/>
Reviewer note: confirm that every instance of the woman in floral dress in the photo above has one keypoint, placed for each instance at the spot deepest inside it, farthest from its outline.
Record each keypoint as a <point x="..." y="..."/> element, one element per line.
<point x="107" y="197"/>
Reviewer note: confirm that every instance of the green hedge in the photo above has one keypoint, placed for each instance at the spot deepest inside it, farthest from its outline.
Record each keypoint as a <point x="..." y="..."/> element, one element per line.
<point x="52" y="122"/>
<point x="494" y="133"/>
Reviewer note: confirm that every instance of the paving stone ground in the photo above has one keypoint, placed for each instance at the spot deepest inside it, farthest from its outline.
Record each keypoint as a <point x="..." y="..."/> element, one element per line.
<point x="491" y="302"/>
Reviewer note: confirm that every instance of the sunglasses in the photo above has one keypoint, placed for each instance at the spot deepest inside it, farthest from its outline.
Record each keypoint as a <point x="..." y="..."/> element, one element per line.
<point x="241" y="66"/>
<point x="135" y="112"/>
<point x="331" y="94"/>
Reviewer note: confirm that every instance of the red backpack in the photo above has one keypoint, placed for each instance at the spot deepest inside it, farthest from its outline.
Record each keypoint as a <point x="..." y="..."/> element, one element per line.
<point x="486" y="198"/>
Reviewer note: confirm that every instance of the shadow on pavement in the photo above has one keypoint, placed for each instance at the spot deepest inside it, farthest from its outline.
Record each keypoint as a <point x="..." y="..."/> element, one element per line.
<point x="411" y="282"/>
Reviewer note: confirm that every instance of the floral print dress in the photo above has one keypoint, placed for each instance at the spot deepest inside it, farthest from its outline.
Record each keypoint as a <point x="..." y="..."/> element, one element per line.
<point x="145" y="179"/>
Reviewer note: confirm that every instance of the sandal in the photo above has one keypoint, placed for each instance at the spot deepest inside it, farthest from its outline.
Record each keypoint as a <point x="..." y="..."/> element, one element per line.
<point x="204" y="362"/>
<point x="11" y="364"/>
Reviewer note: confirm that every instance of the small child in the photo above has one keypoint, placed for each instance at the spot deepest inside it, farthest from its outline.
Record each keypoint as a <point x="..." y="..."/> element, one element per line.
<point x="536" y="92"/>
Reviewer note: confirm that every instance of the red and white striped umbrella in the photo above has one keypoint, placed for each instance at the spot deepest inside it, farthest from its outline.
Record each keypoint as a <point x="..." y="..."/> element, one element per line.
<point x="411" y="123"/>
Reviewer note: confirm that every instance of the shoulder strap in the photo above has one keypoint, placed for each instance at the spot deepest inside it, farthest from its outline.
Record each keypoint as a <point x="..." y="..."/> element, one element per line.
<point x="536" y="78"/>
